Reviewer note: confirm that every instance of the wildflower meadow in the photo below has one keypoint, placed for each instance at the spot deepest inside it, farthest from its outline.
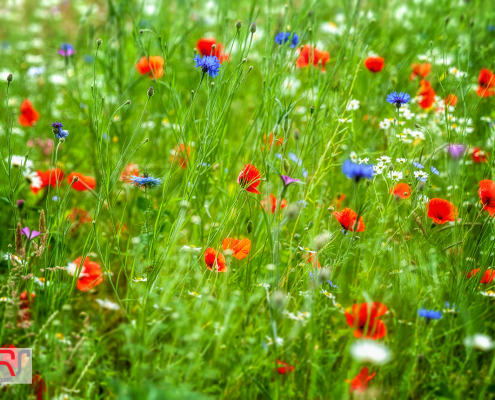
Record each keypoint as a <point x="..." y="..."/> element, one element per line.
<point x="247" y="199"/>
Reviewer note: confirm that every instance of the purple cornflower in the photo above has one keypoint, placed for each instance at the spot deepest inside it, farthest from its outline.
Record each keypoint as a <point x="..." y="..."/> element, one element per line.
<point x="398" y="98"/>
<point x="66" y="50"/>
<point x="288" y="180"/>
<point x="429" y="314"/>
<point x="283" y="37"/>
<point x="30" y="235"/>
<point x="208" y="64"/>
<point x="58" y="131"/>
<point x="456" y="150"/>
<point x="357" y="171"/>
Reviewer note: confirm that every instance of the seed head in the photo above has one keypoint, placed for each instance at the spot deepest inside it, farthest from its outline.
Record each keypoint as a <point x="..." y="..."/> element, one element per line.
<point x="238" y="25"/>
<point x="252" y="28"/>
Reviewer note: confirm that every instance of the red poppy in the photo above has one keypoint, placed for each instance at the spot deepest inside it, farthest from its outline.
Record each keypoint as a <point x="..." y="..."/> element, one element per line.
<point x="310" y="259"/>
<point x="51" y="177"/>
<point x="488" y="276"/>
<point x="239" y="248"/>
<point x="25" y="305"/>
<point x="309" y="54"/>
<point x="486" y="80"/>
<point x="451" y="100"/>
<point x="278" y="142"/>
<point x="478" y="155"/>
<point x="84" y="182"/>
<point x="215" y="260"/>
<point x="153" y="67"/>
<point x="180" y="155"/>
<point x="205" y="45"/>
<point x="273" y="203"/>
<point x="90" y="275"/>
<point x="28" y="115"/>
<point x="249" y="178"/>
<point x="284" y="368"/>
<point x="130" y="170"/>
<point x="363" y="318"/>
<point x="39" y="386"/>
<point x="427" y="95"/>
<point x="422" y="70"/>
<point x="441" y="211"/>
<point x="374" y="64"/>
<point x="360" y="382"/>
<point x="347" y="218"/>
<point x="487" y="195"/>
<point x="401" y="190"/>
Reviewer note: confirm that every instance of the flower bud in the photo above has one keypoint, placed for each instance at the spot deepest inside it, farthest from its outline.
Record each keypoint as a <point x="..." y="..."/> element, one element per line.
<point x="331" y="209"/>
<point x="297" y="134"/>
<point x="244" y="60"/>
<point x="75" y="179"/>
<point x="417" y="125"/>
<point x="151" y="91"/>
<point x="249" y="226"/>
<point x="99" y="42"/>
<point x="10" y="78"/>
<point x="128" y="102"/>
<point x="20" y="204"/>
<point x="312" y="109"/>
<point x="252" y="29"/>
<point x="391" y="167"/>
<point x="286" y="165"/>
<point x="238" y="25"/>
<point x="141" y="31"/>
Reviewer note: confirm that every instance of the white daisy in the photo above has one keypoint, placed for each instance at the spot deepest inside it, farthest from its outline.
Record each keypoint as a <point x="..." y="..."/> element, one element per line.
<point x="370" y="351"/>
<point x="108" y="304"/>
<point x="479" y="341"/>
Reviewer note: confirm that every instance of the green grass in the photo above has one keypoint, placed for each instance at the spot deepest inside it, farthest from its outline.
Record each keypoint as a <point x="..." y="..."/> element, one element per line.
<point x="162" y="341"/>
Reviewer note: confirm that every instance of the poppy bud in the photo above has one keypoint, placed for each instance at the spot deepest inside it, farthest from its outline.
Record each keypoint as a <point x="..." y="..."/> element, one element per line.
<point x="146" y="140"/>
<point x="312" y="109"/>
<point x="151" y="91"/>
<point x="250" y="67"/>
<point x="252" y="29"/>
<point x="417" y="125"/>
<point x="238" y="25"/>
<point x="75" y="179"/>
<point x="141" y="31"/>
<point x="391" y="167"/>
<point x="128" y="102"/>
<point x="213" y="47"/>
<point x="10" y="78"/>
<point x="249" y="226"/>
<point x="310" y="225"/>
<point x="297" y="135"/>
<point x="99" y="42"/>
<point x="244" y="60"/>
<point x="469" y="207"/>
<point x="286" y="165"/>
<point x="331" y="209"/>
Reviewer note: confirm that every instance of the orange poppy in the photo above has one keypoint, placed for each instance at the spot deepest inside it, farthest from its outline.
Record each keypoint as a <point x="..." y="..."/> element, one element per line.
<point x="90" y="275"/>
<point x="363" y="318"/>
<point x="153" y="67"/>
<point x="84" y="182"/>
<point x="130" y="170"/>
<point x="249" y="178"/>
<point x="478" y="155"/>
<point x="205" y="45"/>
<point x="441" y="211"/>
<point x="488" y="276"/>
<point x="215" y="260"/>
<point x="427" y="95"/>
<point x="487" y="195"/>
<point x="278" y="142"/>
<point x="310" y="259"/>
<point x="486" y="80"/>
<point x="273" y="203"/>
<point x="309" y="54"/>
<point x="451" y="100"/>
<point x="179" y="155"/>
<point x="240" y="248"/>
<point x="401" y="190"/>
<point x="374" y="64"/>
<point x="51" y="177"/>
<point x="284" y="368"/>
<point x="422" y="70"/>
<point x="360" y="382"/>
<point x="28" y="115"/>
<point x="347" y="218"/>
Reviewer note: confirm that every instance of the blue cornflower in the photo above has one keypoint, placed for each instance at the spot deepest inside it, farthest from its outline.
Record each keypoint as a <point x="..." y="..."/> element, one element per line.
<point x="145" y="181"/>
<point x="434" y="171"/>
<point x="208" y="64"/>
<point x="58" y="131"/>
<point x="357" y="171"/>
<point x="398" y="98"/>
<point x="418" y="165"/>
<point x="283" y="37"/>
<point x="429" y="314"/>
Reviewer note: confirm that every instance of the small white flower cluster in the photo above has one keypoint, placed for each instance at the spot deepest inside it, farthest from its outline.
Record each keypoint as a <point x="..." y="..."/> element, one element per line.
<point x="300" y="316"/>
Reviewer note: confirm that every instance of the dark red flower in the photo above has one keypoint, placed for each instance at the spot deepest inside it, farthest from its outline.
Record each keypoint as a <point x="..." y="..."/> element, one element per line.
<point x="39" y="386"/>
<point x="401" y="190"/>
<point x="28" y="115"/>
<point x="311" y="55"/>
<point x="205" y="45"/>
<point x="90" y="275"/>
<point x="478" y="155"/>
<point x="215" y="260"/>
<point x="25" y="302"/>
<point x="152" y="67"/>
<point x="360" y="382"/>
<point x="363" y="318"/>
<point x="487" y="195"/>
<point x="249" y="178"/>
<point x="488" y="276"/>
<point x="421" y="70"/>
<point x="84" y="182"/>
<point x="374" y="64"/>
<point x="486" y="80"/>
<point x="273" y="203"/>
<point x="347" y="218"/>
<point x="441" y="211"/>
<point x="284" y="368"/>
